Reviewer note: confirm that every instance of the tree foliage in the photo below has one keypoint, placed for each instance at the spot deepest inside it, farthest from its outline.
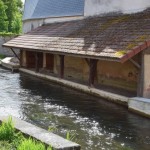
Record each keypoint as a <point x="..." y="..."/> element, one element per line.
<point x="12" y="15"/>
<point x="3" y="18"/>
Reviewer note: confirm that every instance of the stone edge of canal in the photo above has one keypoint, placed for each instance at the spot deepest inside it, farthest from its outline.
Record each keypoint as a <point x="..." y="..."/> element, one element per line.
<point x="48" y="138"/>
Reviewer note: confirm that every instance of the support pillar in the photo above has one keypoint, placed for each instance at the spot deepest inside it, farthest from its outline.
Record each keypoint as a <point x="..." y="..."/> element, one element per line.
<point x="92" y="72"/>
<point x="36" y="62"/>
<point x="21" y="58"/>
<point x="61" y="73"/>
<point x="44" y="60"/>
<point x="140" y="83"/>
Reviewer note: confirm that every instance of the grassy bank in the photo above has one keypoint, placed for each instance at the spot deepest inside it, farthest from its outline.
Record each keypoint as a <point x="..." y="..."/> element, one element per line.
<point x="10" y="139"/>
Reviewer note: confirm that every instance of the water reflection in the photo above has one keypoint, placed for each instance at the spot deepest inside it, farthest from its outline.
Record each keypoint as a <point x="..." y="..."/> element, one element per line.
<point x="97" y="123"/>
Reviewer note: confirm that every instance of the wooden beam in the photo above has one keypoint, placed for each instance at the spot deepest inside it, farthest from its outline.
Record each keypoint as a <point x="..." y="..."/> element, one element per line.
<point x="36" y="62"/>
<point x="61" y="73"/>
<point x="87" y="60"/>
<point x="15" y="54"/>
<point x="140" y="82"/>
<point x="21" y="58"/>
<point x="135" y="63"/>
<point x="44" y="60"/>
<point x="92" y="72"/>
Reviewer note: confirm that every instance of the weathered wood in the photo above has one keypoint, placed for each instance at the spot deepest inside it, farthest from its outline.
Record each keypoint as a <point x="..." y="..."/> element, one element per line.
<point x="92" y="72"/>
<point x="36" y="62"/>
<point x="21" y="58"/>
<point x="140" y="82"/>
<point x="61" y="66"/>
<point x="15" y="54"/>
<point x="87" y="60"/>
<point x="135" y="63"/>
<point x="50" y="62"/>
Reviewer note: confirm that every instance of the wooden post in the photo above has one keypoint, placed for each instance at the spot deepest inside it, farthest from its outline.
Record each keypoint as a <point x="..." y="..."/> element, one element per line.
<point x="21" y="58"/>
<point x="61" y="74"/>
<point x="44" y="60"/>
<point x="36" y="62"/>
<point x="92" y="73"/>
<point x="140" y="83"/>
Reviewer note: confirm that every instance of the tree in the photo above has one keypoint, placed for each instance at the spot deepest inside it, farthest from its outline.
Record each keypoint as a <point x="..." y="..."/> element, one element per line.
<point x="3" y="18"/>
<point x="17" y="24"/>
<point x="14" y="15"/>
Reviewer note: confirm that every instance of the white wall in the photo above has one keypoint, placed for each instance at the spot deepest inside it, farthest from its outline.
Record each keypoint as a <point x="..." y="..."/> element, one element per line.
<point x="29" y="25"/>
<point x="95" y="7"/>
<point x="146" y="92"/>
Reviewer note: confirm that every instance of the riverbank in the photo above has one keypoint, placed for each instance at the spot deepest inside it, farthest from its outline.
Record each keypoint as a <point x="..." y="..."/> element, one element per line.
<point x="32" y="131"/>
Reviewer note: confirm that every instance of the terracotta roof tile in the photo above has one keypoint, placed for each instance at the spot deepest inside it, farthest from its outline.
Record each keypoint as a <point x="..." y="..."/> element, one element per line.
<point x="115" y="36"/>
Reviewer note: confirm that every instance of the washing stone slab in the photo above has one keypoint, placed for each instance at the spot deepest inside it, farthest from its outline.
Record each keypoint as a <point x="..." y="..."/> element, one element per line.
<point x="48" y="138"/>
<point x="9" y="64"/>
<point x="140" y="105"/>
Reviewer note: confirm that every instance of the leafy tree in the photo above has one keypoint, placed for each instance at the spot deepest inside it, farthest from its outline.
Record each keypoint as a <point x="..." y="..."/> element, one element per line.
<point x="14" y="15"/>
<point x="17" y="24"/>
<point x="3" y="18"/>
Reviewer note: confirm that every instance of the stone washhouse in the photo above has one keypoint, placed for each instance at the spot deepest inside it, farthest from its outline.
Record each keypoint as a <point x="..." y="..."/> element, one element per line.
<point x="109" y="52"/>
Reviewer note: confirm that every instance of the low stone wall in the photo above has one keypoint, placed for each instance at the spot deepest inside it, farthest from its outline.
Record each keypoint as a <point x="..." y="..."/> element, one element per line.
<point x="6" y="51"/>
<point x="140" y="105"/>
<point x="123" y="100"/>
<point x="48" y="138"/>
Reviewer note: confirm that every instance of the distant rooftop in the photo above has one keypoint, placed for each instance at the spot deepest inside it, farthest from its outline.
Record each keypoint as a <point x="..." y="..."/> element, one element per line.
<point x="52" y="8"/>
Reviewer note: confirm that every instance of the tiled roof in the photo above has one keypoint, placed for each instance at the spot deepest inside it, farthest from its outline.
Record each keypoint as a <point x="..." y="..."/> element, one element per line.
<point x="52" y="8"/>
<point x="115" y="36"/>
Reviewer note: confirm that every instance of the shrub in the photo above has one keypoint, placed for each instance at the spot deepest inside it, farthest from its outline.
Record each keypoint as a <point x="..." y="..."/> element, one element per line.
<point x="2" y="56"/>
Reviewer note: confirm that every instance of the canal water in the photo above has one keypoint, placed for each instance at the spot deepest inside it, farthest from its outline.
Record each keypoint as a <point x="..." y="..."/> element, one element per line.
<point x="95" y="123"/>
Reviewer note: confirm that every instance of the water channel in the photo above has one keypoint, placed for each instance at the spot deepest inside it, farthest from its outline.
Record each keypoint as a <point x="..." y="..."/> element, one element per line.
<point x="96" y="123"/>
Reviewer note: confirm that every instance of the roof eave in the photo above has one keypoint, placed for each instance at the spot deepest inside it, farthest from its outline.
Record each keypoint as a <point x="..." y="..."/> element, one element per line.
<point x="50" y="17"/>
<point x="68" y="54"/>
<point x="135" y="51"/>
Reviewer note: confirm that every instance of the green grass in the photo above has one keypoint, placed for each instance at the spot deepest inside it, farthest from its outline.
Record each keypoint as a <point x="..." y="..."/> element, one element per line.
<point x="2" y="56"/>
<point x="30" y="144"/>
<point x="4" y="145"/>
<point x="7" y="130"/>
<point x="10" y="139"/>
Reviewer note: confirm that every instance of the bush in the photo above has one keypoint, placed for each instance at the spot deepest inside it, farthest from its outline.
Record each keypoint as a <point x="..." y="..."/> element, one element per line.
<point x="8" y="34"/>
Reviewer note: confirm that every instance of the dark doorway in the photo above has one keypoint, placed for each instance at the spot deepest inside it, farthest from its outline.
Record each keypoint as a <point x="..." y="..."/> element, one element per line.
<point x="50" y="62"/>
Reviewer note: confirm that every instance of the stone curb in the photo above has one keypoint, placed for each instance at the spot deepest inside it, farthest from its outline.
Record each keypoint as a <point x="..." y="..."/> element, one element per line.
<point x="48" y="138"/>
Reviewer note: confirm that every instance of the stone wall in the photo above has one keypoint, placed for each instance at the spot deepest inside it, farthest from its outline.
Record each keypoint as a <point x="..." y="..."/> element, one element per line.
<point x="112" y="74"/>
<point x="146" y="77"/>
<point x="76" y="69"/>
<point x="6" y="51"/>
<point x="117" y="74"/>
